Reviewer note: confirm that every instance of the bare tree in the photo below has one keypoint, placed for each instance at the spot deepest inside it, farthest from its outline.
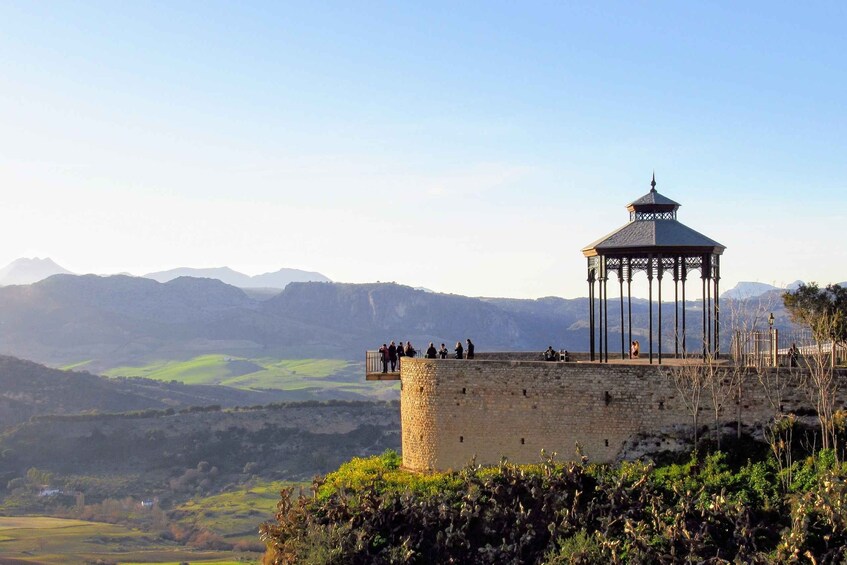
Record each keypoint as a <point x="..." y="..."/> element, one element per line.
<point x="824" y="312"/>
<point x="689" y="379"/>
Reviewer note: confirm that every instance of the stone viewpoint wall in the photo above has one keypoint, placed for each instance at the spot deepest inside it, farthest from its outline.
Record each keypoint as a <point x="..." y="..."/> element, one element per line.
<point x="455" y="410"/>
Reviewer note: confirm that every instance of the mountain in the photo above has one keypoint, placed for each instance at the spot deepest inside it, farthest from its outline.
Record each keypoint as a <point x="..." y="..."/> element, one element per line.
<point x="744" y="290"/>
<point x="28" y="271"/>
<point x="276" y="280"/>
<point x="117" y="321"/>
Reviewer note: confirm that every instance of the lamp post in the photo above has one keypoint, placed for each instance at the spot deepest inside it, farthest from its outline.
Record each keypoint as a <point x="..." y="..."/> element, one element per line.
<point x="772" y="333"/>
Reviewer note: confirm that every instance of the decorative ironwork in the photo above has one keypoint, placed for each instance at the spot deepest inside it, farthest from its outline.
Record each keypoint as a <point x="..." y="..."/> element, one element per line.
<point x="638" y="216"/>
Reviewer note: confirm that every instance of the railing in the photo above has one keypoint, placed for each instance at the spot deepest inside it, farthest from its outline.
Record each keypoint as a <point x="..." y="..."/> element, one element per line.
<point x="373" y="364"/>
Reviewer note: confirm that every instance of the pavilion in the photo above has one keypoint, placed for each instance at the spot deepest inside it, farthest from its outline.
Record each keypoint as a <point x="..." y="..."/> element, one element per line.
<point x="656" y="243"/>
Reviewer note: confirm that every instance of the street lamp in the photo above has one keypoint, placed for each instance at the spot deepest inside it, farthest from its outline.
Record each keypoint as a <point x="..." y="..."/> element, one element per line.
<point x="774" y="342"/>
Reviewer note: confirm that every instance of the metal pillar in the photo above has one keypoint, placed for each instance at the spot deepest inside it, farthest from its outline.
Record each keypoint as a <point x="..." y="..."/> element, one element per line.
<point x="659" y="270"/>
<point x="684" y="278"/>
<point x="676" y="306"/>
<point x="650" y="299"/>
<point x="606" y="314"/>
<point x="629" y="300"/>
<point x="703" y="278"/>
<point x="717" y="278"/>
<point x="620" y="281"/>
<point x="591" y="336"/>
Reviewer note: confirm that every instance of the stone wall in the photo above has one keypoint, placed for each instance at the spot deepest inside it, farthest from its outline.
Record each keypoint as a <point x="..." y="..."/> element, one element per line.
<point x="456" y="410"/>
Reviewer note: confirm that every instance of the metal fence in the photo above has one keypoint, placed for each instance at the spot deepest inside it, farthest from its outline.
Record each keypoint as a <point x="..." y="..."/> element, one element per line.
<point x="770" y="348"/>
<point x="373" y="363"/>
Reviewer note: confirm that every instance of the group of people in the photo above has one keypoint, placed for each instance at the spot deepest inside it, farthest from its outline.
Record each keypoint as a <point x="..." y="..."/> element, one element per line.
<point x="391" y="353"/>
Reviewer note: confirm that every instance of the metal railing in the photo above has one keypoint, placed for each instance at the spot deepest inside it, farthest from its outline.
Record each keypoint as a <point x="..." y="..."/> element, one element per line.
<point x="373" y="363"/>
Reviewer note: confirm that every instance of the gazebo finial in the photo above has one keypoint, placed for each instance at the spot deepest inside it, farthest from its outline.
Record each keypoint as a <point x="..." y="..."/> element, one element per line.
<point x="653" y="182"/>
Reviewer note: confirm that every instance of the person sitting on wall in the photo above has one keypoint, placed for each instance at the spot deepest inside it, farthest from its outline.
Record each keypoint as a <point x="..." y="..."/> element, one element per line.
<point x="443" y="351"/>
<point x="470" y="349"/>
<point x="550" y="354"/>
<point x="635" y="350"/>
<point x="430" y="351"/>
<point x="460" y="351"/>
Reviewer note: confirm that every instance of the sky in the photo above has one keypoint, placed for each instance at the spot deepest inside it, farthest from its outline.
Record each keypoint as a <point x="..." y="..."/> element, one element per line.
<point x="471" y="148"/>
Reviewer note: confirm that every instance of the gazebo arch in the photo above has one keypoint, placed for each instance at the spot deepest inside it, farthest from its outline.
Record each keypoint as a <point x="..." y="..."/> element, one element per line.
<point x="654" y="242"/>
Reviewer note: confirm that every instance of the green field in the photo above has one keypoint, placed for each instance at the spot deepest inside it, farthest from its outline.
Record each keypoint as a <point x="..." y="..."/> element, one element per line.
<point x="39" y="539"/>
<point x="256" y="373"/>
<point x="235" y="514"/>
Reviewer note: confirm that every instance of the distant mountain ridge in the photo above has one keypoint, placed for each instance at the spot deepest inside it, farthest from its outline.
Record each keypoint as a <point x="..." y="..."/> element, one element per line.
<point x="118" y="321"/>
<point x="277" y="279"/>
<point x="744" y="290"/>
<point x="28" y="271"/>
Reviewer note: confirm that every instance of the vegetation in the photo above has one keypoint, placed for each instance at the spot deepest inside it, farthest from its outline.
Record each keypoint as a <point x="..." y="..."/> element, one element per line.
<point x="822" y="310"/>
<point x="257" y="373"/>
<point x="58" y="541"/>
<point x="705" y="509"/>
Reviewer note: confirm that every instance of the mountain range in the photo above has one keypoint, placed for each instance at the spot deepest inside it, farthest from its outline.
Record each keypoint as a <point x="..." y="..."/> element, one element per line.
<point x="28" y="271"/>
<point x="108" y="322"/>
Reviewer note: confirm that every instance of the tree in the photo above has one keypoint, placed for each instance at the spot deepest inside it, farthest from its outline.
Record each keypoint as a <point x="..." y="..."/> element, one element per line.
<point x="824" y="312"/>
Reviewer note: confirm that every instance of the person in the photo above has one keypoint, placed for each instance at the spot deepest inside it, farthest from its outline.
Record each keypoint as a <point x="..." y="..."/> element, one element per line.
<point x="430" y="351"/>
<point x="410" y="351"/>
<point x="400" y="353"/>
<point x="392" y="356"/>
<point x="470" y="349"/>
<point x="550" y="354"/>
<point x="634" y="350"/>
<point x="793" y="355"/>
<point x="384" y="357"/>
<point x="460" y="351"/>
<point x="566" y="357"/>
<point x="443" y="351"/>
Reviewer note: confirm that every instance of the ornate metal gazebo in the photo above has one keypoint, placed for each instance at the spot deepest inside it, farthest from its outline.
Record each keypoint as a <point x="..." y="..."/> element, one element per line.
<point x="656" y="243"/>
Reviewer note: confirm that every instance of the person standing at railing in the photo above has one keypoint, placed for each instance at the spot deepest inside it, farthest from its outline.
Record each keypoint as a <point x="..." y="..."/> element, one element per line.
<point x="400" y="353"/>
<point x="392" y="356"/>
<point x="431" y="353"/>
<point x="410" y="351"/>
<point x="460" y="351"/>
<point x="470" y="349"/>
<point x="384" y="357"/>
<point x="443" y="351"/>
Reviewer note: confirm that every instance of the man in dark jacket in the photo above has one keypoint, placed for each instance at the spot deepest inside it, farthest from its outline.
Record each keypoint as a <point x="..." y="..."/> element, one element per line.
<point x="392" y="356"/>
<point x="470" y="349"/>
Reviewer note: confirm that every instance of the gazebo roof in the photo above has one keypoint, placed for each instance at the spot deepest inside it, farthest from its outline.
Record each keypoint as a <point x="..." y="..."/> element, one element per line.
<point x="652" y="198"/>
<point x="653" y="228"/>
<point x="653" y="236"/>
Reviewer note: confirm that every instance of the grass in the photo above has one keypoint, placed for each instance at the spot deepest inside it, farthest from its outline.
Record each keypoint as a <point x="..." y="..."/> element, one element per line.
<point x="40" y="539"/>
<point x="75" y="366"/>
<point x="260" y="373"/>
<point x="236" y="514"/>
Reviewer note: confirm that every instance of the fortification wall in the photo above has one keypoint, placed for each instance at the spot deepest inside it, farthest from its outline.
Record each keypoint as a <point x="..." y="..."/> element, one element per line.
<point x="455" y="410"/>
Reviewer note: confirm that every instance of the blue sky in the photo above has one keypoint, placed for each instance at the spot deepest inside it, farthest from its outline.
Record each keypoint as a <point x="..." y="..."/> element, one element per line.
<point x="472" y="148"/>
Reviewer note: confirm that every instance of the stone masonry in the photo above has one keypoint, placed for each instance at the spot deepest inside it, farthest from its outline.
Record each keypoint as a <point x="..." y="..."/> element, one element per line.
<point x="455" y="410"/>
